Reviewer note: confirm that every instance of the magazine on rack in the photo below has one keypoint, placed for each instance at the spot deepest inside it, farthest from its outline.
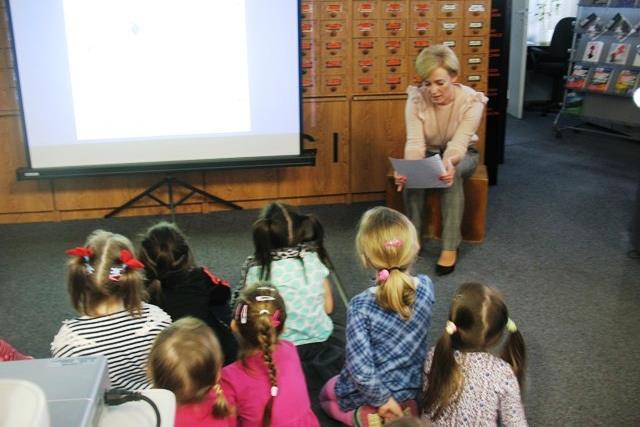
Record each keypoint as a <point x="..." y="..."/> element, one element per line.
<point x="577" y="80"/>
<point x="600" y="79"/>
<point x="626" y="82"/>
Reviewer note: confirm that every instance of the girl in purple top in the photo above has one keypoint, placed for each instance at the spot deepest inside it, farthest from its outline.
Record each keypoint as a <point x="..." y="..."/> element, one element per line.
<point x="464" y="383"/>
<point x="266" y="386"/>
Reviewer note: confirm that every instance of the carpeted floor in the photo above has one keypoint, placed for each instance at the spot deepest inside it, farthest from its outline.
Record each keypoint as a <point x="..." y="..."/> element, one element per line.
<point x="558" y="233"/>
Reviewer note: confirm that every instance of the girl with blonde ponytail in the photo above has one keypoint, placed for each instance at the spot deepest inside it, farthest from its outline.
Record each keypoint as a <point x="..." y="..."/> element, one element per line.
<point x="186" y="358"/>
<point x="464" y="383"/>
<point x="387" y="327"/>
<point x="266" y="385"/>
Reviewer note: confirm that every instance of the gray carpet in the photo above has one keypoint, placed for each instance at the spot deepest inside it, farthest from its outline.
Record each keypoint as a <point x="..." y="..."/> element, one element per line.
<point x="558" y="233"/>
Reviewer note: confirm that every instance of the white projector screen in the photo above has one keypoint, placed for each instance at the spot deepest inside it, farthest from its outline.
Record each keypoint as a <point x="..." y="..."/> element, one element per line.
<point x="135" y="82"/>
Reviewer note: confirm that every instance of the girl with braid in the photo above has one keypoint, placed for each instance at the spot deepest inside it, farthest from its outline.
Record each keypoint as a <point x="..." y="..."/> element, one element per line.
<point x="464" y="383"/>
<point x="387" y="327"/>
<point x="266" y="385"/>
<point x="186" y="359"/>
<point x="289" y="253"/>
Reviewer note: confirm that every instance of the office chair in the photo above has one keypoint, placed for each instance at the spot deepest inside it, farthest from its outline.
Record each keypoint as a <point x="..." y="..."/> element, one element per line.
<point x="553" y="61"/>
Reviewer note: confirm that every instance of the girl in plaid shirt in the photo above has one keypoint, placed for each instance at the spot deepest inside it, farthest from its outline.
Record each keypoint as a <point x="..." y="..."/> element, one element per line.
<point x="387" y="327"/>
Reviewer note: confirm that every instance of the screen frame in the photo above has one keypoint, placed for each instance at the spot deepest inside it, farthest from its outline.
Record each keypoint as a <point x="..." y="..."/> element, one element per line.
<point x="306" y="157"/>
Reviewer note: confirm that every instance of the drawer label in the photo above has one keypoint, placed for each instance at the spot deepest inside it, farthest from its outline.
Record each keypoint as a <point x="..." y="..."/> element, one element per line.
<point x="476" y="8"/>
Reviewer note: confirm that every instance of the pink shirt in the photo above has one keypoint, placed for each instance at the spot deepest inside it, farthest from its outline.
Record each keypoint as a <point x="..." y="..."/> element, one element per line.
<point x="247" y="388"/>
<point x="453" y="129"/>
<point x="199" y="414"/>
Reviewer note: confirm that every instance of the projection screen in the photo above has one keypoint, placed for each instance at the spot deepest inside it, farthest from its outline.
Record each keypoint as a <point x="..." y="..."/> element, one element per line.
<point x="137" y="85"/>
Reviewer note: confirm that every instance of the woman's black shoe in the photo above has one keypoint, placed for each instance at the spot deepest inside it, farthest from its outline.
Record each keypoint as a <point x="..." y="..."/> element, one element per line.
<point x="442" y="270"/>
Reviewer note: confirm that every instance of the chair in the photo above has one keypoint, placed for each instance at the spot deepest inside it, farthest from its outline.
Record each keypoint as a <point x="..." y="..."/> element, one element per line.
<point x="553" y="61"/>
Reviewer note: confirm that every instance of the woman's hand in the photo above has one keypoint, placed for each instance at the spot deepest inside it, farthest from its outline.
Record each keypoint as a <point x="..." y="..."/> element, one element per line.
<point x="449" y="174"/>
<point x="390" y="410"/>
<point x="400" y="181"/>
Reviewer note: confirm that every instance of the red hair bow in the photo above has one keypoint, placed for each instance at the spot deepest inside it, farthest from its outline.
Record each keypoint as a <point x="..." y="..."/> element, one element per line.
<point x="80" y="251"/>
<point x="130" y="261"/>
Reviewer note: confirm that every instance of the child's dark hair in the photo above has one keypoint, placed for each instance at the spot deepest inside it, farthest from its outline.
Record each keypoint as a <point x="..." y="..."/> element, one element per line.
<point x="477" y="320"/>
<point x="281" y="226"/>
<point x="387" y="242"/>
<point x="105" y="268"/>
<point x="259" y="316"/>
<point x="164" y="250"/>
<point x="186" y="359"/>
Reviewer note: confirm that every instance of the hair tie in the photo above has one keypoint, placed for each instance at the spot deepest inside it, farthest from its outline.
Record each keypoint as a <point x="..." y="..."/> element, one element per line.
<point x="383" y="275"/>
<point x="450" y="327"/>
<point x="511" y="326"/>
<point x="274" y="391"/>
<point x="393" y="243"/>
<point x="85" y="253"/>
<point x="82" y="252"/>
<point x="130" y="261"/>
<point x="275" y="319"/>
<point x="243" y="314"/>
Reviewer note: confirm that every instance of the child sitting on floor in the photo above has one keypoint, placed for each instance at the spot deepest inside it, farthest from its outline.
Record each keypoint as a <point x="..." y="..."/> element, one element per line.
<point x="465" y="383"/>
<point x="267" y="385"/>
<point x="186" y="359"/>
<point x="387" y="327"/>
<point x="107" y="289"/>
<point x="180" y="288"/>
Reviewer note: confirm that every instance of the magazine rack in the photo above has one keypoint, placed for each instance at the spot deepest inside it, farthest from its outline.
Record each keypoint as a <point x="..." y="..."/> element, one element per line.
<point x="604" y="70"/>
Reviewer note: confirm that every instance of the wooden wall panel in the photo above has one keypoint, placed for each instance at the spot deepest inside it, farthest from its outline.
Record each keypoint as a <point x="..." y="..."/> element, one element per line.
<point x="247" y="184"/>
<point x="113" y="191"/>
<point x="377" y="132"/>
<point x="18" y="196"/>
<point x="328" y="122"/>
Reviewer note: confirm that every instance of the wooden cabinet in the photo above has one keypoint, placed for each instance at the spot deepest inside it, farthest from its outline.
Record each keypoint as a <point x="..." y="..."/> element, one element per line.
<point x="377" y="133"/>
<point x="327" y="120"/>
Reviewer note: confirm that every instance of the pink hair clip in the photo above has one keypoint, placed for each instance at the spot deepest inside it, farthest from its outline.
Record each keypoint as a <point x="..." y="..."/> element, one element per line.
<point x="383" y="275"/>
<point x="393" y="243"/>
<point x="275" y="319"/>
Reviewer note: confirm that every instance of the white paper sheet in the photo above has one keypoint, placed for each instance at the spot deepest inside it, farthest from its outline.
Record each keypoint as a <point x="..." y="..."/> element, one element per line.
<point x="423" y="173"/>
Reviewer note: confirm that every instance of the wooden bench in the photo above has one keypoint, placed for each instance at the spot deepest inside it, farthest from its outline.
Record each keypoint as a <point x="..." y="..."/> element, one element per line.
<point x="476" y="192"/>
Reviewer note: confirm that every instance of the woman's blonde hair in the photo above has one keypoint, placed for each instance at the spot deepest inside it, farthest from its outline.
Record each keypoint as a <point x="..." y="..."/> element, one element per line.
<point x="186" y="358"/>
<point x="436" y="56"/>
<point x="387" y="240"/>
<point x="90" y="278"/>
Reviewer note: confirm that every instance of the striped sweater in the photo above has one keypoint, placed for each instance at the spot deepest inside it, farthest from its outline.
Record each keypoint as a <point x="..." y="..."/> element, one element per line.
<point x="123" y="338"/>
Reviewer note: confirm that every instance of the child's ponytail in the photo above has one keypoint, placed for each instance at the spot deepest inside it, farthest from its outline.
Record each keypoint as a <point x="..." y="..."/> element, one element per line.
<point x="396" y="291"/>
<point x="514" y="352"/>
<point x="267" y="339"/>
<point x="444" y="377"/>
<point x="311" y="232"/>
<point x="220" y="407"/>
<point x="262" y="241"/>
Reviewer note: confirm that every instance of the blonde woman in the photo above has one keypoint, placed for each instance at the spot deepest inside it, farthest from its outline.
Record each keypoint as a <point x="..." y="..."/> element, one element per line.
<point x="442" y="117"/>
